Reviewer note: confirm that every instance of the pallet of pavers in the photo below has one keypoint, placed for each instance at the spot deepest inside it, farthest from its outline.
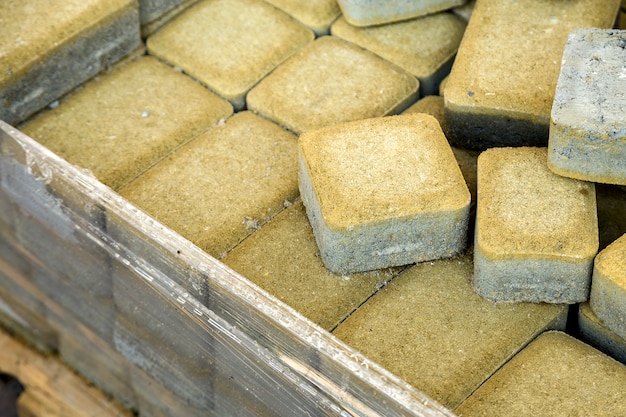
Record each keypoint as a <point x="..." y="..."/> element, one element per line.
<point x="321" y="207"/>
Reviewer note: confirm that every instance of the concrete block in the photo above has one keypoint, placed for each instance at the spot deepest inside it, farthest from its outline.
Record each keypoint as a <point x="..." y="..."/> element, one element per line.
<point x="152" y="10"/>
<point x="317" y="15"/>
<point x="224" y="185"/>
<point x="555" y="375"/>
<point x="587" y="125"/>
<point x="504" y="97"/>
<point x="424" y="47"/>
<point x="283" y="259"/>
<point x="536" y="232"/>
<point x="465" y="11"/>
<point x="383" y="192"/>
<point x="249" y="31"/>
<point x="48" y="50"/>
<point x="332" y="81"/>
<point x="122" y="123"/>
<point x="430" y="328"/>
<point x="608" y="289"/>
<point x="594" y="331"/>
<point x="377" y="12"/>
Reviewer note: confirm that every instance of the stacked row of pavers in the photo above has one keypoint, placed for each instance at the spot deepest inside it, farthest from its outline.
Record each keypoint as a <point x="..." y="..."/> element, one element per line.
<point x="174" y="148"/>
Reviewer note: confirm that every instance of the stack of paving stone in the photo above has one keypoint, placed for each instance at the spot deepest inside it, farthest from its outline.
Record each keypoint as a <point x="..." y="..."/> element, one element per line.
<point x="269" y="134"/>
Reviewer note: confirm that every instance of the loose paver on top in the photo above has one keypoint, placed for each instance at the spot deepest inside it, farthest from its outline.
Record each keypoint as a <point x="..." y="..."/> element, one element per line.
<point x="230" y="45"/>
<point x="224" y="185"/>
<point x="283" y="259"/>
<point x="122" y="123"/>
<point x="536" y="232"/>
<point x="594" y="331"/>
<point x="424" y="47"/>
<point x="501" y="87"/>
<point x="377" y="12"/>
<point x="430" y="328"/>
<point x="332" y="81"/>
<point x="383" y="192"/>
<point x="47" y="50"/>
<point x="588" y="124"/>
<point x="315" y="14"/>
<point x="608" y="290"/>
<point x="555" y="375"/>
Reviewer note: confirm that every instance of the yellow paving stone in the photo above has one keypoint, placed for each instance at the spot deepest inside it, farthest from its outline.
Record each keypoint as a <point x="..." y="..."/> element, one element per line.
<point x="224" y="185"/>
<point x="377" y="12"/>
<point x="316" y="14"/>
<point x="502" y="84"/>
<point x="555" y="375"/>
<point x="124" y="122"/>
<point x="608" y="288"/>
<point x="245" y="41"/>
<point x="283" y="259"/>
<point x="424" y="47"/>
<point x="47" y="50"/>
<point x="594" y="331"/>
<point x="332" y="81"/>
<point x="428" y="327"/>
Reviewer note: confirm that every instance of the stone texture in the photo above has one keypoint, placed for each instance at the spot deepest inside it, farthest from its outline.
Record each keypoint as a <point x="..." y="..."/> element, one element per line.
<point x="424" y="47"/>
<point x="332" y="81"/>
<point x="587" y="126"/>
<point x="283" y="259"/>
<point x="608" y="290"/>
<point x="224" y="185"/>
<point x="376" y="12"/>
<point x="124" y="122"/>
<point x="49" y="50"/>
<point x="501" y="87"/>
<point x="383" y="192"/>
<point x="465" y="11"/>
<point x="315" y="14"/>
<point x="429" y="327"/>
<point x="241" y="31"/>
<point x="536" y="233"/>
<point x="556" y="375"/>
<point x="594" y="331"/>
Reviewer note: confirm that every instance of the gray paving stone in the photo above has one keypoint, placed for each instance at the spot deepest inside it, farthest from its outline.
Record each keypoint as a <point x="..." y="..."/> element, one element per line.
<point x="594" y="331"/>
<point x="588" y="127"/>
<point x="377" y="12"/>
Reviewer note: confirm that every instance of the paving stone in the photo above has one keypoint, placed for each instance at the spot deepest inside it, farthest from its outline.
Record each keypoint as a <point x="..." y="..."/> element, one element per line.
<point x="249" y="31"/>
<point x="608" y="290"/>
<point x="424" y="47"/>
<point x="224" y="185"/>
<point x="283" y="259"/>
<point x="49" y="50"/>
<point x="611" y="201"/>
<point x="376" y="12"/>
<point x="332" y="81"/>
<point x="588" y="127"/>
<point x="465" y="11"/>
<point x="536" y="232"/>
<point x="317" y="15"/>
<point x="431" y="329"/>
<point x="383" y="192"/>
<point x="502" y="84"/>
<point x="555" y="375"/>
<point x="160" y="13"/>
<point x="124" y="122"/>
<point x="594" y="331"/>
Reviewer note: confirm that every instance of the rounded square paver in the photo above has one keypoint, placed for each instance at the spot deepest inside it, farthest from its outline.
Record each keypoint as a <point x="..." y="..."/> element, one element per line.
<point x="315" y="14"/>
<point x="332" y="81"/>
<point x="383" y="192"/>
<point x="608" y="288"/>
<point x="230" y="45"/>
<point x="588" y="123"/>
<point x="536" y="232"/>
<point x="122" y="123"/>
<point x="377" y="12"/>
<point x="424" y="47"/>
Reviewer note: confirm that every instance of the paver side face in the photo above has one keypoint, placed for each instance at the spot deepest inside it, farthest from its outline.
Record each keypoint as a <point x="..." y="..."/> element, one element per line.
<point x="608" y="290"/>
<point x="230" y="45"/>
<point x="598" y="335"/>
<point x="332" y="81"/>
<point x="588" y="122"/>
<point x="376" y="12"/>
<point x="556" y="375"/>
<point x="502" y="84"/>
<point x="123" y="122"/>
<point x="423" y="47"/>
<point x="316" y="14"/>
<point x="224" y="185"/>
